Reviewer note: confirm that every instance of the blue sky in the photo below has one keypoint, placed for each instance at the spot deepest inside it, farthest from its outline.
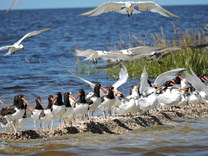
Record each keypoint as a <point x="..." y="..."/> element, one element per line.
<point x="31" y="4"/>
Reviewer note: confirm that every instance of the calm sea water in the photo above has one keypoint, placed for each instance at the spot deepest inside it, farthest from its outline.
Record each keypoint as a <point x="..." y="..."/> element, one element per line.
<point x="40" y="69"/>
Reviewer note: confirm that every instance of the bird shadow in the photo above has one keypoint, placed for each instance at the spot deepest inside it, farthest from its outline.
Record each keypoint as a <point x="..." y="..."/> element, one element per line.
<point x="166" y="116"/>
<point x="96" y="127"/>
<point x="156" y="120"/>
<point x="121" y="124"/>
<point x="140" y="121"/>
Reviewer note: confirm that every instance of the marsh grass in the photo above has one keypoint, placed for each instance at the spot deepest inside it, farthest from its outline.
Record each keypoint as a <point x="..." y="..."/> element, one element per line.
<point x="195" y="58"/>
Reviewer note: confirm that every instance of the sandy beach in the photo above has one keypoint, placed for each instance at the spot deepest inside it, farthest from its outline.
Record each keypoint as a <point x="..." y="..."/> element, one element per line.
<point x="117" y="124"/>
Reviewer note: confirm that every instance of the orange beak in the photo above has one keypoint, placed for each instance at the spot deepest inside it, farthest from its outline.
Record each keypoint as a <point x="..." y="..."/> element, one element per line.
<point x="183" y="89"/>
<point x="78" y="95"/>
<point x="179" y="76"/>
<point x="39" y="101"/>
<point x="72" y="97"/>
<point x="158" y="89"/>
<point x="25" y="100"/>
<point x="30" y="109"/>
<point x="1" y="102"/>
<point x="54" y="98"/>
<point x="117" y="92"/>
<point x="205" y="78"/>
<point x="104" y="89"/>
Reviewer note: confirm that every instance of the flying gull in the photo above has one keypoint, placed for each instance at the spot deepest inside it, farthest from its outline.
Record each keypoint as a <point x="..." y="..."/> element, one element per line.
<point x="17" y="45"/>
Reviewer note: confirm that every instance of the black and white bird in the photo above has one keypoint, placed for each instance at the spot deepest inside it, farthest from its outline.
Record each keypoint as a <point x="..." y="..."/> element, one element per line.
<point x="15" y="112"/>
<point x="129" y="8"/>
<point x="81" y="106"/>
<point x="69" y="112"/>
<point x="58" y="107"/>
<point x="17" y="45"/>
<point x="46" y="114"/>
<point x="94" y="100"/>
<point x="107" y="101"/>
<point x="37" y="111"/>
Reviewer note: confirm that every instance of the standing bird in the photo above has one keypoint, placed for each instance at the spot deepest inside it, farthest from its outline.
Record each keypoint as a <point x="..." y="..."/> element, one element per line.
<point x="38" y="109"/>
<point x="17" y="45"/>
<point x="129" y="8"/>
<point x="107" y="101"/>
<point x="94" y="100"/>
<point x="46" y="114"/>
<point x="81" y="107"/>
<point x="58" y="107"/>
<point x="69" y="113"/>
<point x="15" y="112"/>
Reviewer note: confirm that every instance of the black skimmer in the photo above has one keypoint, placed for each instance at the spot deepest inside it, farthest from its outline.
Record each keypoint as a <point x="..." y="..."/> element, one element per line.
<point x="58" y="107"/>
<point x="46" y="114"/>
<point x="37" y="111"/>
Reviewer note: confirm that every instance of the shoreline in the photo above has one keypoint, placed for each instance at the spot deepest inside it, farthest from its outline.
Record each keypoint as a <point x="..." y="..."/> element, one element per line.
<point x="116" y="124"/>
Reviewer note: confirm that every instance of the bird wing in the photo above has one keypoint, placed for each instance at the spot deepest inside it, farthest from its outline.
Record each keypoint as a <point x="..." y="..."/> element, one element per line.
<point x="5" y="47"/>
<point x="123" y="76"/>
<point x="105" y="8"/>
<point x="85" y="53"/>
<point x="143" y="81"/>
<point x="9" y="52"/>
<point x="200" y="83"/>
<point x="14" y="2"/>
<point x="31" y="34"/>
<point x="194" y="82"/>
<point x="92" y="85"/>
<point x="153" y="7"/>
<point x="167" y="76"/>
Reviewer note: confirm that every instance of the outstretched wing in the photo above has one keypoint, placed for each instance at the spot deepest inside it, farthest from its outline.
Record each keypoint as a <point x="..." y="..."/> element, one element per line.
<point x="167" y="76"/>
<point x="143" y="81"/>
<point x="14" y="2"/>
<point x="31" y="34"/>
<point x="153" y="7"/>
<point x="5" y="47"/>
<point x="92" y="85"/>
<point x="105" y="8"/>
<point x="123" y="76"/>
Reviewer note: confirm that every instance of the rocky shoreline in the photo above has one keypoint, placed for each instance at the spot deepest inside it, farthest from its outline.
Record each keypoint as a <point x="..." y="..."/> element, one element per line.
<point x="117" y="124"/>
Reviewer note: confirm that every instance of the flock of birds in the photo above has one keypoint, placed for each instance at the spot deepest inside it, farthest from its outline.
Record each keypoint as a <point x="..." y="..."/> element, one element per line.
<point x="169" y="89"/>
<point x="172" y="88"/>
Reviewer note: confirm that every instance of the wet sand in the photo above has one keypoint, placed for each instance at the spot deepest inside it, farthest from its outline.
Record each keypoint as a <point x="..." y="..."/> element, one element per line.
<point x="117" y="124"/>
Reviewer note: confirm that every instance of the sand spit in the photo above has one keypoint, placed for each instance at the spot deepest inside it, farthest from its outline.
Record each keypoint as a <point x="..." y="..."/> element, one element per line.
<point x="118" y="124"/>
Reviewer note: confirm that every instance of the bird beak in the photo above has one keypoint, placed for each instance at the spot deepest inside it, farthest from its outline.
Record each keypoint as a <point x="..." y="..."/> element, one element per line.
<point x="117" y="92"/>
<point x="137" y="87"/>
<point x="205" y="78"/>
<point x="72" y="97"/>
<point x="25" y="100"/>
<point x="2" y="102"/>
<point x="183" y="89"/>
<point x="104" y="89"/>
<point x="30" y="109"/>
<point x="74" y="102"/>
<point x="180" y="77"/>
<point x="53" y="99"/>
<point x="78" y="95"/>
<point x="39" y="101"/>
<point x="158" y="89"/>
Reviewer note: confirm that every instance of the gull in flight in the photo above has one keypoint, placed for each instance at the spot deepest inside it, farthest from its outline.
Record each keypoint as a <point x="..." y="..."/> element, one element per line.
<point x="14" y="2"/>
<point x="129" y="8"/>
<point x="17" y="45"/>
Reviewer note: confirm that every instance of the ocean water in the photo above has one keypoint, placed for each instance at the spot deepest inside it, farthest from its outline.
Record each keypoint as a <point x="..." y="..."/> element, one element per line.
<point x="41" y="68"/>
